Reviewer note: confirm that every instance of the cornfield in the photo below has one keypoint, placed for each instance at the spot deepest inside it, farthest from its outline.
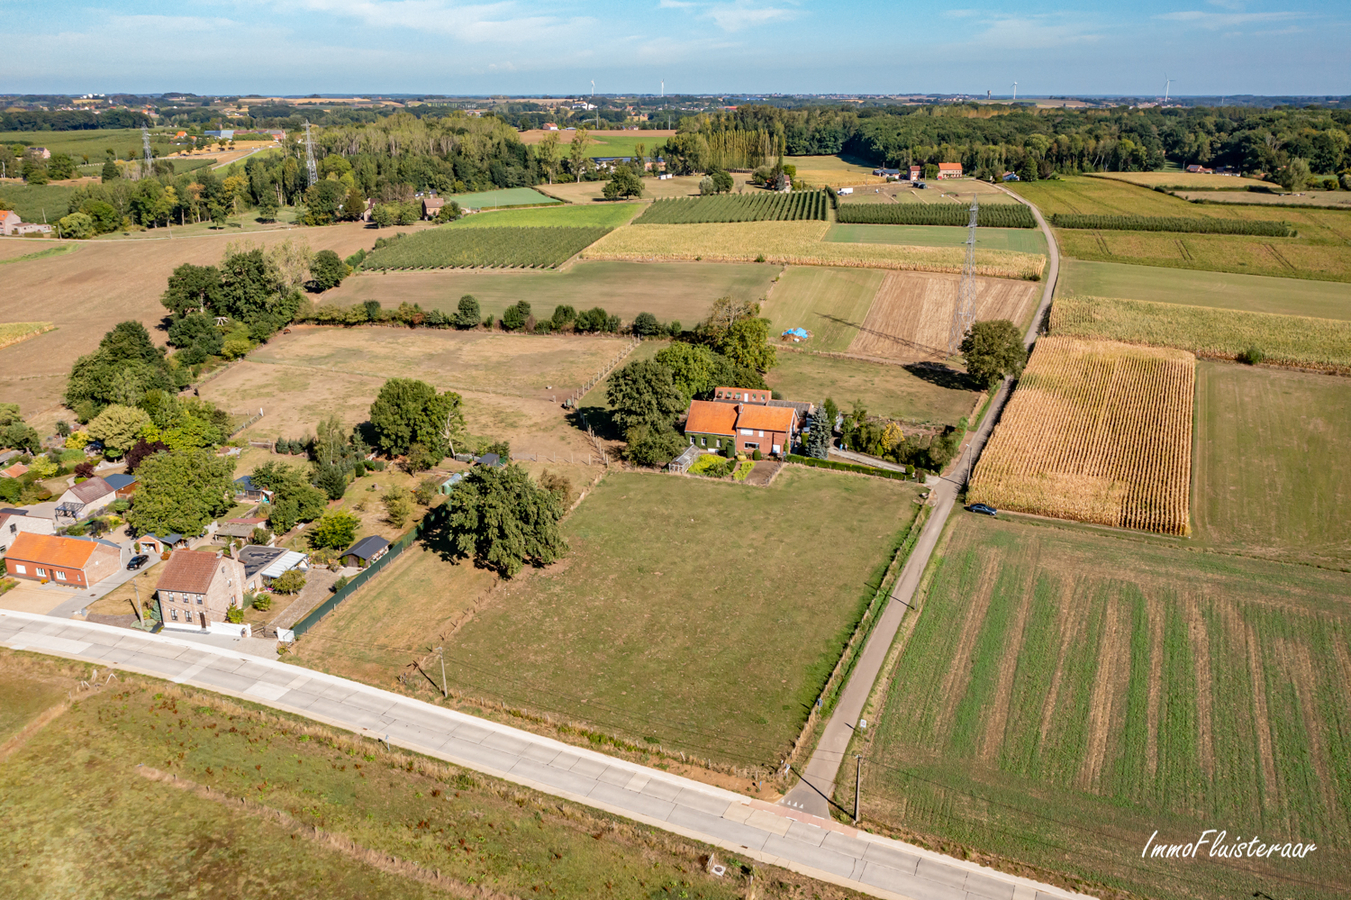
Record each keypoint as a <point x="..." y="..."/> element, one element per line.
<point x="798" y="244"/>
<point x="456" y="248"/>
<point x="998" y="215"/>
<point x="1198" y="225"/>
<point x="764" y="207"/>
<point x="1096" y="432"/>
<point x="1219" y="333"/>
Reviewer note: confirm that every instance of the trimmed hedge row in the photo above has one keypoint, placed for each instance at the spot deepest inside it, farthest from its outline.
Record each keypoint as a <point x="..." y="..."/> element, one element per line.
<point x="995" y="215"/>
<point x="1196" y="225"/>
<point x="849" y="467"/>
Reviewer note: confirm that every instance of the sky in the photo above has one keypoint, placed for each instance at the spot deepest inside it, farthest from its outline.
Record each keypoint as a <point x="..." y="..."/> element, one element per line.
<point x="558" y="47"/>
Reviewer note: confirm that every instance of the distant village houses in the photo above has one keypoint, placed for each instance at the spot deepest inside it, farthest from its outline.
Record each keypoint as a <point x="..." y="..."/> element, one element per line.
<point x="12" y="225"/>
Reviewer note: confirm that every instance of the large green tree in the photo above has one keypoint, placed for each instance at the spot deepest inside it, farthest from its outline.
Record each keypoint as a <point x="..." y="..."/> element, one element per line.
<point x="746" y="343"/>
<point x="294" y="499"/>
<point x="196" y="337"/>
<point x="335" y="530"/>
<point x="992" y="350"/>
<point x="119" y="428"/>
<point x="623" y="184"/>
<point x="644" y="393"/>
<point x="408" y="412"/>
<point x="504" y="520"/>
<point x="327" y="270"/>
<point x="192" y="288"/>
<point x="180" y="492"/>
<point x="126" y="366"/>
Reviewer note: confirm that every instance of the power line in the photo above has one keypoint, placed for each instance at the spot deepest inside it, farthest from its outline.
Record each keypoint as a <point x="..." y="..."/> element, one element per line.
<point x="964" y="313"/>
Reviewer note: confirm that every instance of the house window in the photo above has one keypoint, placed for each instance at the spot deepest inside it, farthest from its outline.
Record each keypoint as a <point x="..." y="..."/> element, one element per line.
<point x="60" y="576"/>
<point x="703" y="442"/>
<point x="747" y="432"/>
<point x="20" y="569"/>
<point x="173" y="613"/>
<point x="199" y="599"/>
<point x="42" y="573"/>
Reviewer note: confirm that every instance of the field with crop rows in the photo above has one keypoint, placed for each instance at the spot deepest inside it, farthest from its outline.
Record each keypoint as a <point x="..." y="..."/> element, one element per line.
<point x="449" y="247"/>
<point x="910" y="317"/>
<point x="1219" y="333"/>
<point x="1181" y="224"/>
<point x="1327" y="199"/>
<point x="759" y="207"/>
<point x="1019" y="240"/>
<point x="798" y="243"/>
<point x="1001" y="215"/>
<point x="1065" y="694"/>
<point x="1096" y="432"/>
<point x="13" y="332"/>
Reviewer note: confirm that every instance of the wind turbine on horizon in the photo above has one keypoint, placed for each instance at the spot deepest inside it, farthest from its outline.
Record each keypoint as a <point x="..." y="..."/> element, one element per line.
<point x="1015" y="91"/>
<point x="1167" y="85"/>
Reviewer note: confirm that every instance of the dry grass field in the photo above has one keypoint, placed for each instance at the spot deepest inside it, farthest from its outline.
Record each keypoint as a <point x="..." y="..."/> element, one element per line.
<point x="1095" y="432"/>
<point x="1063" y="695"/>
<point x="916" y="394"/>
<point x="829" y="303"/>
<point x="1267" y="472"/>
<point x="1220" y="290"/>
<point x="1187" y="180"/>
<point x="679" y="291"/>
<point x="513" y="385"/>
<point x="797" y="243"/>
<point x="87" y="292"/>
<point x="653" y="189"/>
<point x="954" y="190"/>
<point x="833" y="171"/>
<point x="911" y="314"/>
<point x="1298" y="341"/>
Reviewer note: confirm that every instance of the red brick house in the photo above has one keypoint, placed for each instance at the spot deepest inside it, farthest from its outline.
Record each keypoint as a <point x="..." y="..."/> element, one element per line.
<point x="746" y="426"/>
<point x="78" y="562"/>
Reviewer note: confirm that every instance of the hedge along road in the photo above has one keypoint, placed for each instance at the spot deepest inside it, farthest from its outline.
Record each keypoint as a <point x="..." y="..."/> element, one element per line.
<point x="816" y="786"/>
<point x="820" y="849"/>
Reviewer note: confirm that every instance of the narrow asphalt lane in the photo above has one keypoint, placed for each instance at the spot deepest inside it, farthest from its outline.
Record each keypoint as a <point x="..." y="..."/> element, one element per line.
<point x="775" y="835"/>
<point x="817" y="781"/>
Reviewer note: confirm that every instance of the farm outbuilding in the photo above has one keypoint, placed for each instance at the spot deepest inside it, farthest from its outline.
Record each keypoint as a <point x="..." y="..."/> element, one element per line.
<point x="365" y="551"/>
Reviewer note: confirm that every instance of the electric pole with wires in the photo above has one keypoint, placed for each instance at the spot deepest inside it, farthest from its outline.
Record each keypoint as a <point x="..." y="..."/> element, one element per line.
<point x="311" y="170"/>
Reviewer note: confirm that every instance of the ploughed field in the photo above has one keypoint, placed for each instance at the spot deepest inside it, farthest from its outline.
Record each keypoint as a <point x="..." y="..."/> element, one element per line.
<point x="1096" y="432"/>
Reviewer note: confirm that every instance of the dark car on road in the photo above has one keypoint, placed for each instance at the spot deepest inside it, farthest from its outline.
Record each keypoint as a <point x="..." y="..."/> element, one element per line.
<point x="983" y="509"/>
<point x="136" y="562"/>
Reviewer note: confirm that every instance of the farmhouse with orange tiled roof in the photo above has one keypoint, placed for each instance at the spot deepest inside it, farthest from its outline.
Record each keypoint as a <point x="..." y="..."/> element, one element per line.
<point x="73" y="561"/>
<point x="743" y="420"/>
<point x="949" y="170"/>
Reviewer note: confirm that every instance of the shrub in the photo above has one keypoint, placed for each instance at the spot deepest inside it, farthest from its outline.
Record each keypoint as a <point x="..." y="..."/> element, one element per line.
<point x="757" y="456"/>
<point x="1251" y="356"/>
<point x="342" y="582"/>
<point x="262" y="602"/>
<point x="290" y="582"/>
<point x="234" y="615"/>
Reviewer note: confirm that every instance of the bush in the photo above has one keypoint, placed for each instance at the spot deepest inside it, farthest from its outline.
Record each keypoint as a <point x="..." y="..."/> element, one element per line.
<point x="290" y="582"/>
<point x="1251" y="356"/>
<point x="234" y="615"/>
<point x="262" y="602"/>
<point x="342" y="582"/>
<point x="757" y="456"/>
<point x="427" y="490"/>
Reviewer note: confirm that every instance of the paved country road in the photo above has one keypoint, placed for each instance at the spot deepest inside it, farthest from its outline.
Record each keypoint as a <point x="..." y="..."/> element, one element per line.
<point x="817" y="785"/>
<point x="770" y="834"/>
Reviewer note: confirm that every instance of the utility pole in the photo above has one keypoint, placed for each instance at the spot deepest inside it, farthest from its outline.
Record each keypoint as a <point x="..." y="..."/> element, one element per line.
<point x="139" y="618"/>
<point x="311" y="170"/>
<point x="858" y="779"/>
<point x="445" y="692"/>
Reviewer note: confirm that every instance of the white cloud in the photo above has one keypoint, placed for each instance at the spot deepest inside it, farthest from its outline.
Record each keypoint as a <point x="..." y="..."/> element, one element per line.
<point x="675" y="4"/>
<point x="1218" y="21"/>
<point x="737" y="16"/>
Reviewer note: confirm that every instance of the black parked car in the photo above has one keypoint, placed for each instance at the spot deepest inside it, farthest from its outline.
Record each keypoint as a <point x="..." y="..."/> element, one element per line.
<point x="983" y="509"/>
<point x="137" y="562"/>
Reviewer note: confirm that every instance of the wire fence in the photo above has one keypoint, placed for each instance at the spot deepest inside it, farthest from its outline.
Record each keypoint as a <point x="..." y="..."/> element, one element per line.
<point x="600" y="376"/>
<point x="434" y="518"/>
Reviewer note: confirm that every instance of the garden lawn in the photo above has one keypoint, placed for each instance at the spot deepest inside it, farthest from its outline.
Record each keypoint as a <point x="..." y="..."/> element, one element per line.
<point x="506" y="197"/>
<point x="1221" y="290"/>
<point x="1019" y="240"/>
<point x="1063" y="696"/>
<point x="1268" y="477"/>
<point x="136" y="791"/>
<point x="830" y="303"/>
<point x="915" y="393"/>
<point x="692" y="613"/>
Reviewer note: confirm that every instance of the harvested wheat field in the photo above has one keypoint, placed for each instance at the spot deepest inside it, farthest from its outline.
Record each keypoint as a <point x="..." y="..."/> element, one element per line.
<point x="910" y="316"/>
<point x="1096" y="432"/>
